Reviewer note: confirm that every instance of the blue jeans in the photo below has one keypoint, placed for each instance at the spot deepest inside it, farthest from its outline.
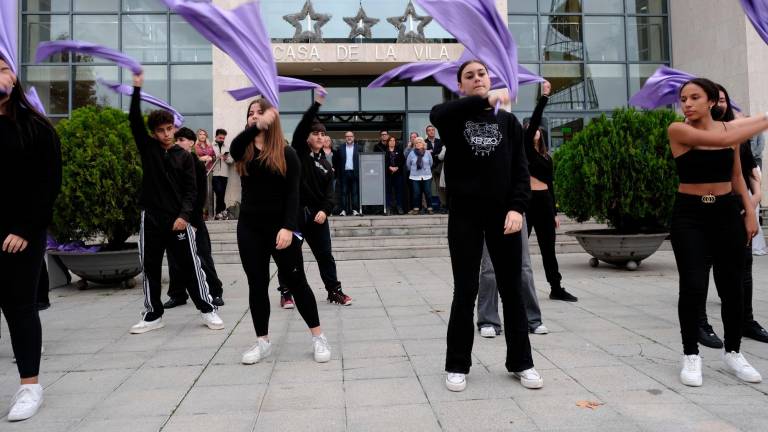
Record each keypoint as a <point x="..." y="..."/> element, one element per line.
<point x="418" y="187"/>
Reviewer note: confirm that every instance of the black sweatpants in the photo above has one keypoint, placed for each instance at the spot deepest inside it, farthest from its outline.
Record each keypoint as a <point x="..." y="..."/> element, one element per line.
<point x="541" y="218"/>
<point x="219" y="186"/>
<point x="318" y="237"/>
<point x="700" y="231"/>
<point x="256" y="241"/>
<point x="156" y="237"/>
<point x="469" y="224"/>
<point x="176" y="288"/>
<point x="19" y="274"/>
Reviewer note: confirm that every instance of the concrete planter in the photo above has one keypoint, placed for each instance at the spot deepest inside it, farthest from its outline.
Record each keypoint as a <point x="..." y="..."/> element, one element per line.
<point x="622" y="250"/>
<point x="107" y="267"/>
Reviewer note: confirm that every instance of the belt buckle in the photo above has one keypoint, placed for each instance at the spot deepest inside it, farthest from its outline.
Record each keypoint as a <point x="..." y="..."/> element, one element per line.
<point x="708" y="199"/>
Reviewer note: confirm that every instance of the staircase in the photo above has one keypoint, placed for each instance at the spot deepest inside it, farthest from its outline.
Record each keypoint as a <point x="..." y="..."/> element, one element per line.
<point x="384" y="237"/>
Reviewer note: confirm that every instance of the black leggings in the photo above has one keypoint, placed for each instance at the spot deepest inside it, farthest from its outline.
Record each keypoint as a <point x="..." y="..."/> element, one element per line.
<point x="256" y="241"/>
<point x="700" y="231"/>
<point x="747" y="285"/>
<point x="19" y="275"/>
<point x="468" y="225"/>
<point x="541" y="218"/>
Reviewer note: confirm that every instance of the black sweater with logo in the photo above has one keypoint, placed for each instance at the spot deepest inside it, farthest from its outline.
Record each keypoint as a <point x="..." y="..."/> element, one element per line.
<point x="485" y="160"/>
<point x="316" y="190"/>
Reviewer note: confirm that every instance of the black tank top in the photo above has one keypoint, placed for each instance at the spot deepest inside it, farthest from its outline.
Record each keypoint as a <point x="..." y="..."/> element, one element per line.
<point x="705" y="166"/>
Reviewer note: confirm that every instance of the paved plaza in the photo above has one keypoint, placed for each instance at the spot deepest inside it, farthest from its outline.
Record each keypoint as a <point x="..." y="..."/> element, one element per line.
<point x="610" y="363"/>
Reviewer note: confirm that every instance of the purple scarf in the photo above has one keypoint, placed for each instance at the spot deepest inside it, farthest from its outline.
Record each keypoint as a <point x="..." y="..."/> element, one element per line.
<point x="127" y="90"/>
<point x="757" y="12"/>
<point x="9" y="42"/>
<point x="47" y="49"/>
<point x="285" y="84"/>
<point x="419" y="158"/>
<point x="662" y="88"/>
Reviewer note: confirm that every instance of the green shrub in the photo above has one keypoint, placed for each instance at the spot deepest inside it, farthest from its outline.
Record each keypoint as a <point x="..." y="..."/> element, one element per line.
<point x="101" y="177"/>
<point x="619" y="170"/>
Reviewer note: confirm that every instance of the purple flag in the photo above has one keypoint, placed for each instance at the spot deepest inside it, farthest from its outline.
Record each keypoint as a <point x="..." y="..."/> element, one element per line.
<point x="9" y="35"/>
<point x="478" y="26"/>
<point x="34" y="101"/>
<point x="127" y="90"/>
<point x="757" y="12"/>
<point x="662" y="88"/>
<point x="285" y="85"/>
<point x="47" y="49"/>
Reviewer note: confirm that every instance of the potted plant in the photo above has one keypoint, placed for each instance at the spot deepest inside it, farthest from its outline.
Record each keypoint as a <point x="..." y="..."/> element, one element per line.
<point x="619" y="170"/>
<point x="98" y="206"/>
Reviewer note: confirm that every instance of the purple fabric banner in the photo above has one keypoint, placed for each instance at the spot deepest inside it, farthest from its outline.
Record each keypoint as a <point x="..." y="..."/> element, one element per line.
<point x="47" y="49"/>
<point x="77" y="246"/>
<point x="757" y="12"/>
<point x="285" y="85"/>
<point x="478" y="26"/>
<point x="146" y="97"/>
<point x="34" y="101"/>
<point x="9" y="35"/>
<point x="662" y="88"/>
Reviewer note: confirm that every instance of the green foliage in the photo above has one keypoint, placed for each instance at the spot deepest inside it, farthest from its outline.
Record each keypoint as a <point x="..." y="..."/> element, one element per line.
<point x="619" y="170"/>
<point x="101" y="177"/>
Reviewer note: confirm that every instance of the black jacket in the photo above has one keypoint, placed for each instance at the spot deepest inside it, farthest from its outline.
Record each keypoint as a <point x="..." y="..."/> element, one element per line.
<point x="316" y="190"/>
<point x="394" y="159"/>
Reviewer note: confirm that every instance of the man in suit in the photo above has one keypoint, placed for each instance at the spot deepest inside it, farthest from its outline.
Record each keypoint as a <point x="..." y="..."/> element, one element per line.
<point x="347" y="165"/>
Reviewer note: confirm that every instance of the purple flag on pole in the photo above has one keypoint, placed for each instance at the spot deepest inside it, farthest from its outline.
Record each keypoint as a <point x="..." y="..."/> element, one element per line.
<point x="478" y="26"/>
<point x="662" y="88"/>
<point x="47" y="49"/>
<point x="285" y="84"/>
<point x="9" y="41"/>
<point x="127" y="90"/>
<point x="757" y="12"/>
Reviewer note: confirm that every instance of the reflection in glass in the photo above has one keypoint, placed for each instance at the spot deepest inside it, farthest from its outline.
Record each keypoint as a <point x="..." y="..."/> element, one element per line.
<point x="568" y="86"/>
<point x="145" y="37"/>
<point x="604" y="38"/>
<point x="651" y="7"/>
<point x="45" y="5"/>
<point x="196" y="122"/>
<point x="560" y="6"/>
<point x="383" y="99"/>
<point x="526" y="34"/>
<point x="417" y="122"/>
<point x="424" y="97"/>
<point x="143" y="6"/>
<point x="562" y="130"/>
<point x="155" y="83"/>
<point x="342" y="99"/>
<point x="296" y="101"/>
<point x="52" y="85"/>
<point x="609" y="82"/>
<point x="648" y="39"/>
<point x="527" y="6"/>
<point x="86" y="91"/>
<point x="638" y="74"/>
<point x="42" y="28"/>
<point x="97" y="5"/>
<point x="192" y="89"/>
<point x="603" y="6"/>
<point x="289" y="123"/>
<point x="561" y="38"/>
<point x="187" y="45"/>
<point x="99" y="29"/>
<point x="527" y="95"/>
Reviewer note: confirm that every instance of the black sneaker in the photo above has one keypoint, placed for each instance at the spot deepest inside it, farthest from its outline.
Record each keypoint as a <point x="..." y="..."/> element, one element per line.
<point x="563" y="295"/>
<point x="173" y="302"/>
<point x="218" y="301"/>
<point x="708" y="338"/>
<point x="338" y="296"/>
<point x="755" y="331"/>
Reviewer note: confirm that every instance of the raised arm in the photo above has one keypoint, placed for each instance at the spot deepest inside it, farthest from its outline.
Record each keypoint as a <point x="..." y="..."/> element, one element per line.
<point x="135" y="118"/>
<point x="304" y="128"/>
<point x="538" y="113"/>
<point x="726" y="136"/>
<point x="445" y="115"/>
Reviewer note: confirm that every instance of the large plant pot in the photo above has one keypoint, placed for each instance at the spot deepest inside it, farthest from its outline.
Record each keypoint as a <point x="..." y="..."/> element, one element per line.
<point x="612" y="247"/>
<point x="106" y="267"/>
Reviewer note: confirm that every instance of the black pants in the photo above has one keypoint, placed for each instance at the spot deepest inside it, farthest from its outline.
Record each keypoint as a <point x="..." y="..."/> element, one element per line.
<point x="19" y="275"/>
<point x="256" y="242"/>
<point x="318" y="237"/>
<point x="350" y="191"/>
<point x="219" y="185"/>
<point x="157" y="237"/>
<point x="747" y="286"/>
<point x="700" y="231"/>
<point x="394" y="186"/>
<point x="176" y="288"/>
<point x="43" y="285"/>
<point x="541" y="218"/>
<point x="468" y="225"/>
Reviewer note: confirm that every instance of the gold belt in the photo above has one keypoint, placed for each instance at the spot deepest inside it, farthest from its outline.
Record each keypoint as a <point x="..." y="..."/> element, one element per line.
<point x="708" y="199"/>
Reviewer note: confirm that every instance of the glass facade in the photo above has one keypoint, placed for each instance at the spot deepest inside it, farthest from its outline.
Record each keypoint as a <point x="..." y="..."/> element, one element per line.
<point x="596" y="54"/>
<point x="177" y="61"/>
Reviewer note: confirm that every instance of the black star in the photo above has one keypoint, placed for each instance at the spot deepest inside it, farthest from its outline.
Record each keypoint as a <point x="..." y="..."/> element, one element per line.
<point x="404" y="25"/>
<point x="361" y="24"/>
<point x="311" y="18"/>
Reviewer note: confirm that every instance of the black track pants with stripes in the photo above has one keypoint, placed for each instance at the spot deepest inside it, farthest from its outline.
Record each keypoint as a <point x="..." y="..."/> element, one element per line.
<point x="156" y="237"/>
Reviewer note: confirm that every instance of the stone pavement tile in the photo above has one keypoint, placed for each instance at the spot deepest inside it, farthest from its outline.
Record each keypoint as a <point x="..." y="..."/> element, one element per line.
<point x="99" y="381"/>
<point x="612" y="378"/>
<point x="372" y="323"/>
<point x="614" y="336"/>
<point x="34" y="425"/>
<point x="383" y="392"/>
<point x="407" y="311"/>
<point x="115" y="360"/>
<point x="139" y="423"/>
<point x="554" y="412"/>
<point x="358" y="311"/>
<point x="235" y="374"/>
<point x="375" y="368"/>
<point x="374" y="334"/>
<point x="185" y="357"/>
<point x="222" y="399"/>
<point x="405" y="418"/>
<point x="150" y="341"/>
<point x="644" y="353"/>
<point x="179" y="342"/>
<point x="59" y="362"/>
<point x="290" y="396"/>
<point x="231" y="355"/>
<point x="137" y="403"/>
<point x="434" y="364"/>
<point x="306" y="371"/>
<point x="418" y="320"/>
<point x="746" y="414"/>
<point x="302" y="352"/>
<point x="653" y="396"/>
<point x="229" y="422"/>
<point x="425" y="346"/>
<point x="420" y="332"/>
<point x="167" y="377"/>
<point x="302" y="419"/>
<point x="677" y="417"/>
<point x="58" y="408"/>
<point x="372" y="349"/>
<point x="82" y="346"/>
<point x="575" y="358"/>
<point x="483" y="415"/>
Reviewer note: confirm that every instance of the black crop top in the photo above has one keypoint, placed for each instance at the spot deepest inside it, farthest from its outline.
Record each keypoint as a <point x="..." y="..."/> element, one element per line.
<point x="705" y="166"/>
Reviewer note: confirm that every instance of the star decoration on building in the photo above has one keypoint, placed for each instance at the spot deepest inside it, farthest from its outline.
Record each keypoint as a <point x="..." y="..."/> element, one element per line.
<point x="361" y="24"/>
<point x="405" y="25"/>
<point x="308" y="23"/>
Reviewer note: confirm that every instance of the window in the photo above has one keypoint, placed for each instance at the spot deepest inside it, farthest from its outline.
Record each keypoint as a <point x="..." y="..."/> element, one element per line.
<point x="604" y="38"/>
<point x="41" y="28"/>
<point x="382" y="99"/>
<point x="191" y="90"/>
<point x="561" y="38"/>
<point x="423" y="97"/>
<point x="526" y="34"/>
<point x="100" y="29"/>
<point x="609" y="84"/>
<point x="52" y="85"/>
<point x="145" y="37"/>
<point x="648" y="39"/>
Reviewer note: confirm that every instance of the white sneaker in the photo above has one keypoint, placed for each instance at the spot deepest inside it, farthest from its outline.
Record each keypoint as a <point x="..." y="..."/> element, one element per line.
<point x="321" y="348"/>
<point x="456" y="382"/>
<point x="541" y="330"/>
<point x="212" y="320"/>
<point x="262" y="349"/>
<point x="26" y="402"/>
<point x="488" y="332"/>
<point x="530" y="378"/>
<point x="343" y="213"/>
<point x="145" y="326"/>
<point x="690" y="374"/>
<point x="356" y="213"/>
<point x="737" y="364"/>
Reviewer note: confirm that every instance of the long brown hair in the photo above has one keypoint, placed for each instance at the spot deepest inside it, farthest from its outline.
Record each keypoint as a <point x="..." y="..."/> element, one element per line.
<point x="273" y="153"/>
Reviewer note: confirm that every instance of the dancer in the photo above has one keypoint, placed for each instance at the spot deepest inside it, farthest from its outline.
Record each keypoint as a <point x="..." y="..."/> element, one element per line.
<point x="490" y="189"/>
<point x="32" y="186"/>
<point x="707" y="222"/>
<point x="167" y="199"/>
<point x="270" y="175"/>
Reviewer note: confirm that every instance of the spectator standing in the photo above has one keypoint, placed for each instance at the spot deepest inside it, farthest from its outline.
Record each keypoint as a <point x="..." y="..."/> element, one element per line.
<point x="221" y="169"/>
<point x="394" y="162"/>
<point x="420" y="166"/>
<point x="204" y="149"/>
<point x="347" y="165"/>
